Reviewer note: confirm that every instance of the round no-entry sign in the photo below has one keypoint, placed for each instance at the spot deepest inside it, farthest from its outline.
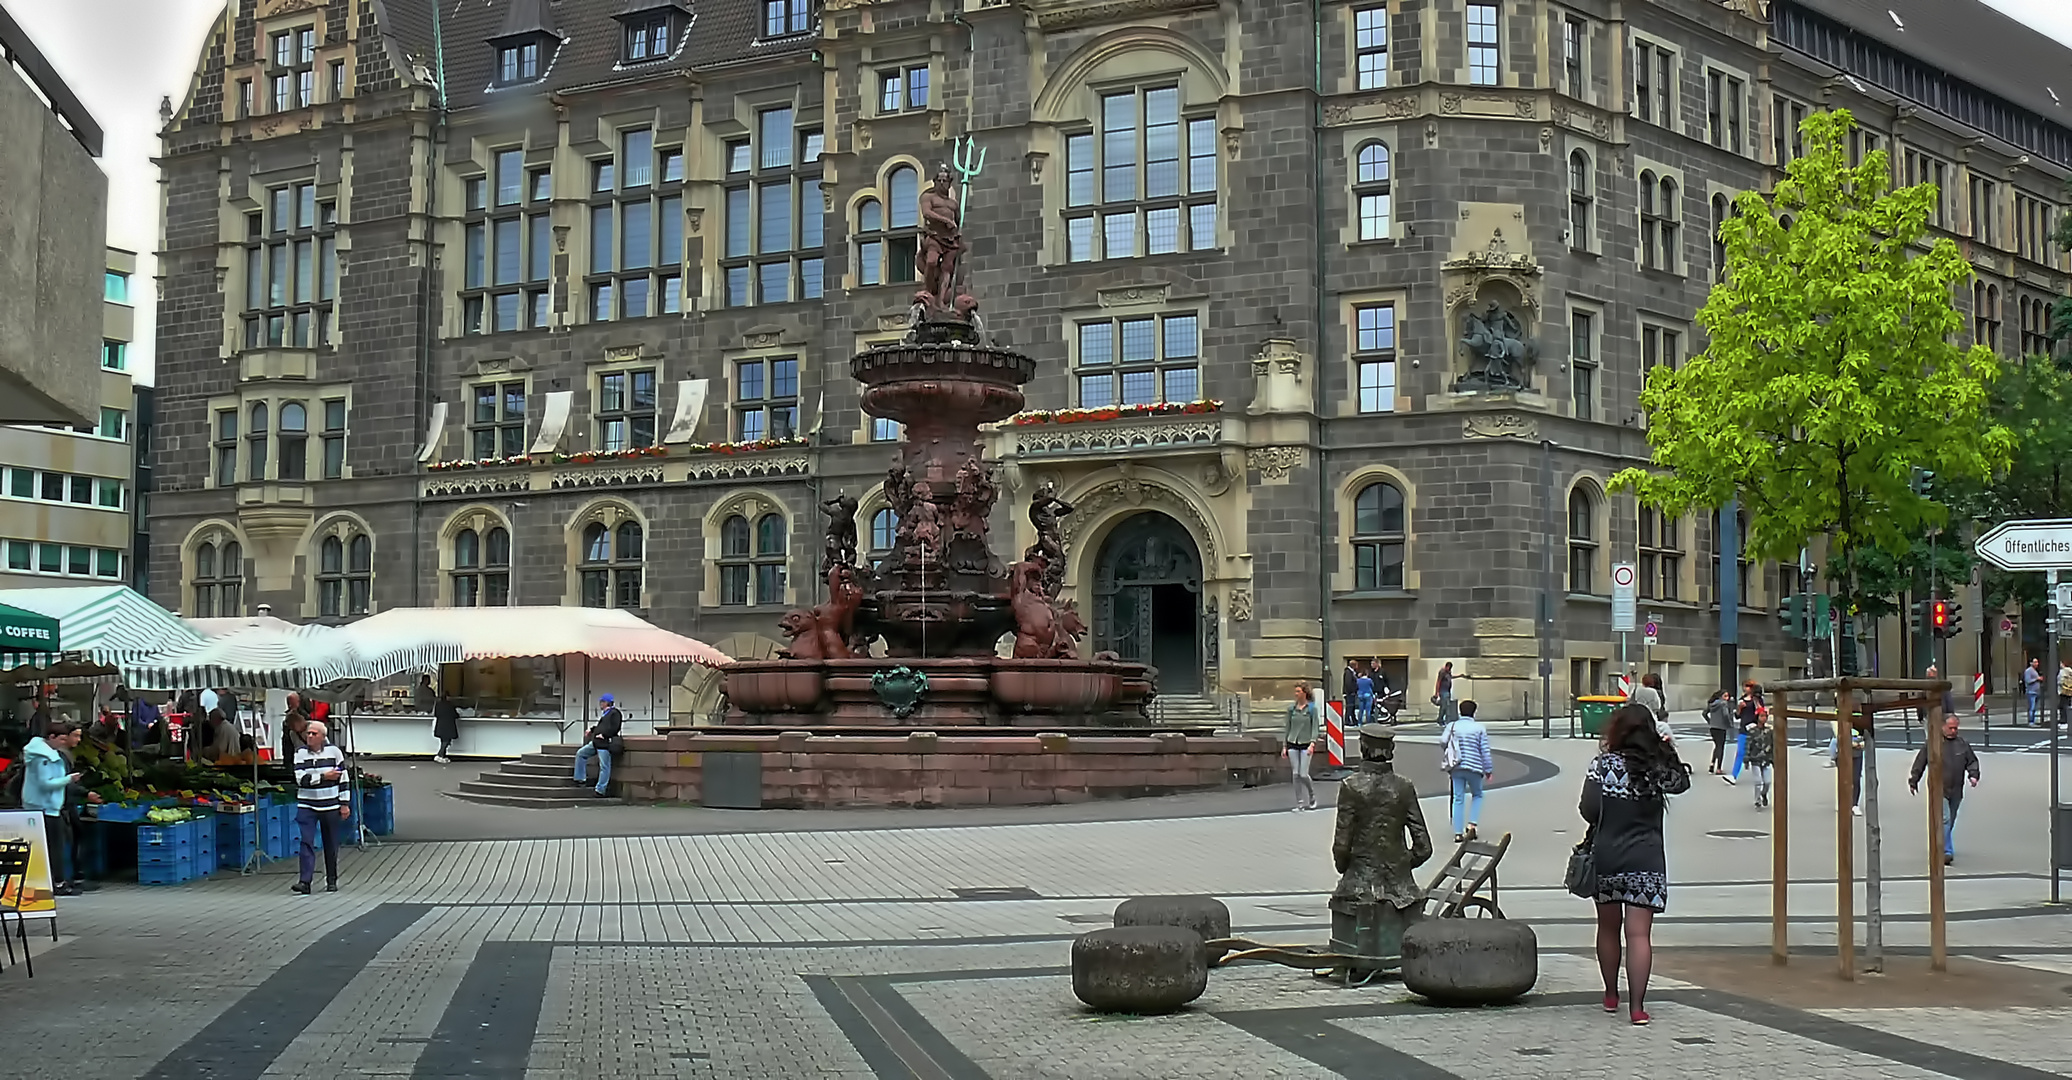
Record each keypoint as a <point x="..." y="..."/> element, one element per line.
<point x="1622" y="576"/>
<point x="1651" y="628"/>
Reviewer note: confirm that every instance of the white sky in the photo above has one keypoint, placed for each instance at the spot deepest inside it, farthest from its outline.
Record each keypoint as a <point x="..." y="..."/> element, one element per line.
<point x="121" y="56"/>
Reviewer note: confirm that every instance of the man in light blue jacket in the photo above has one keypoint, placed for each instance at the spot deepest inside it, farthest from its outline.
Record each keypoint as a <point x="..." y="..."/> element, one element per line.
<point x="44" y="781"/>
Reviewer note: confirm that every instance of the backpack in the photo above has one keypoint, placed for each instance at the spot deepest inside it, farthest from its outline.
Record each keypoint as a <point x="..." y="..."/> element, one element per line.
<point x="11" y="780"/>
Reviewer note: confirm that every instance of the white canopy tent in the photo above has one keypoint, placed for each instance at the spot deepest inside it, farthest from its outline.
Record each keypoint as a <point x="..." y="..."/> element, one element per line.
<point x="102" y="629"/>
<point x="269" y="653"/>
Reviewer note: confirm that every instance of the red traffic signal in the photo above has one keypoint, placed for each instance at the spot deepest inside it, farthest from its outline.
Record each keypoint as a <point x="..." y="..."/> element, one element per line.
<point x="1939" y="616"/>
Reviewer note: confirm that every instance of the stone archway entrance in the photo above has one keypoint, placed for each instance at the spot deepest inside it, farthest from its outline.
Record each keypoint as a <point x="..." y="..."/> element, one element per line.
<point x="1148" y="600"/>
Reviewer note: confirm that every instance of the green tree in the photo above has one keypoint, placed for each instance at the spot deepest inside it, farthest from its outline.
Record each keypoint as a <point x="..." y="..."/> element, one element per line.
<point x="1830" y="371"/>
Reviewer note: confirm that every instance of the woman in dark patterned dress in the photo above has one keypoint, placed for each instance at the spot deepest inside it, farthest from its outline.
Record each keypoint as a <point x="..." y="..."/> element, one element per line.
<point x="1623" y="796"/>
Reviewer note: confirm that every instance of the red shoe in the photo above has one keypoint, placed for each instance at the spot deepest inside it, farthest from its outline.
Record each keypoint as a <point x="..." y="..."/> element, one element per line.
<point x="1611" y="1003"/>
<point x="1640" y="1017"/>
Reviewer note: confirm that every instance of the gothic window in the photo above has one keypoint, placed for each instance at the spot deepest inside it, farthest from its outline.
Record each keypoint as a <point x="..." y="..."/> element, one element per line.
<point x="1575" y="41"/>
<point x="226" y="447"/>
<point x="884" y="530"/>
<point x="1371" y="189"/>
<point x="1985" y="315"/>
<point x="775" y="219"/>
<point x="1721" y="210"/>
<point x="334" y="438"/>
<point x="752" y="559"/>
<point x="609" y="570"/>
<point x="1650" y="222"/>
<point x="345" y="575"/>
<point x="903" y="89"/>
<point x="1669" y="225"/>
<point x="1661" y="555"/>
<point x="255" y="442"/>
<point x="1140" y="360"/>
<point x="482" y="568"/>
<point x="1582" y="543"/>
<point x="293" y="73"/>
<point x="1654" y="83"/>
<point x="1378" y="537"/>
<point x="508" y="247"/>
<point x="888" y="240"/>
<point x="219" y="580"/>
<point x="291" y="270"/>
<point x="293" y="432"/>
<point x="1580" y="200"/>
<point x="1144" y="181"/>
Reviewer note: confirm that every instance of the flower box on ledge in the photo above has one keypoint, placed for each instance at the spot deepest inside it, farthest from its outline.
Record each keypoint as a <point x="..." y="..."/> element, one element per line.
<point x="480" y="463"/>
<point x="1108" y="430"/>
<point x="752" y="446"/>
<point x="1112" y="412"/>
<point x="587" y="457"/>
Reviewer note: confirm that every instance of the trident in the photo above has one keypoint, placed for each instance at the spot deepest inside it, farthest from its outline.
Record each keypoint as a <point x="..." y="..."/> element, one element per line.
<point x="968" y="158"/>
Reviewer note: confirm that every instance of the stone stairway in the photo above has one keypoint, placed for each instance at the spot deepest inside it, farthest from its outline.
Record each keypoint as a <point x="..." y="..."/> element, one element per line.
<point x="537" y="781"/>
<point x="1186" y="710"/>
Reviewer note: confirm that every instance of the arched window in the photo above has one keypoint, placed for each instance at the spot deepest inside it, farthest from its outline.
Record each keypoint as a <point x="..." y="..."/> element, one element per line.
<point x="1582" y="543"/>
<point x="1672" y="226"/>
<point x="219" y="580"/>
<point x="770" y="545"/>
<point x="734" y="560"/>
<point x="1661" y="555"/>
<point x="255" y="442"/>
<point x="359" y="575"/>
<point x="1992" y="315"/>
<point x="884" y="530"/>
<point x="610" y="571"/>
<point x="294" y="432"/>
<point x="1378" y="537"/>
<point x="482" y="568"/>
<point x="1719" y="238"/>
<point x="1371" y="189"/>
<point x="1650" y="222"/>
<point x="1580" y="201"/>
<point x="345" y="576"/>
<point x="888" y="237"/>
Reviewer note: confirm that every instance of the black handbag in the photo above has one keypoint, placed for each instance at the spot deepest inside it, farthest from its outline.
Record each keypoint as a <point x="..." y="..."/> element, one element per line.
<point x="1582" y="867"/>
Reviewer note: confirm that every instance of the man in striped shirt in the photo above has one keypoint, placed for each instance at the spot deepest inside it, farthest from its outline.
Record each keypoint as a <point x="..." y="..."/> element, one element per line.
<point x="320" y="803"/>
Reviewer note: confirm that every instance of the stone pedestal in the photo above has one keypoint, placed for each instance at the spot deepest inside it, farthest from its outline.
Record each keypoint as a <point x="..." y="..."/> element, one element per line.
<point x="1370" y="930"/>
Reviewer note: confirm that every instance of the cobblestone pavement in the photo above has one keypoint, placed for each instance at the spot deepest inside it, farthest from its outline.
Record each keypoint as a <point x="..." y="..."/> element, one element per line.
<point x="897" y="953"/>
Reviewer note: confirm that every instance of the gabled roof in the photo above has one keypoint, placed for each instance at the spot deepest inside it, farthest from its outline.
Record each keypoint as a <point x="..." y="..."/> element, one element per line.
<point x="523" y="17"/>
<point x="721" y="32"/>
<point x="1969" y="40"/>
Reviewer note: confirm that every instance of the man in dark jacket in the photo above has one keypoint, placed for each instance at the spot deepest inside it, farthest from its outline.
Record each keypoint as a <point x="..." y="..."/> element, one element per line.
<point x="1959" y="762"/>
<point x="603" y="741"/>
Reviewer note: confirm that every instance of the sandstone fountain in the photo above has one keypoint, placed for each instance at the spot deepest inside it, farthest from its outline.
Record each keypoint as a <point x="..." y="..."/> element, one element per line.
<point x="906" y="655"/>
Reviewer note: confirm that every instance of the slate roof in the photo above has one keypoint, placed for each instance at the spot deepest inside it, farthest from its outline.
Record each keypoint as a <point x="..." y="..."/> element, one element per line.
<point x="1970" y="41"/>
<point x="722" y="32"/>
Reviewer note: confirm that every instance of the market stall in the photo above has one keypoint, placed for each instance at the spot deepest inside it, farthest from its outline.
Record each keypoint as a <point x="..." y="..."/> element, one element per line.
<point x="79" y="640"/>
<point x="526" y="676"/>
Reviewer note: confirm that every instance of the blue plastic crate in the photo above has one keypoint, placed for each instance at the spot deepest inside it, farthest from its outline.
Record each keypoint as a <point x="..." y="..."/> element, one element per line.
<point x="276" y="831"/>
<point x="379" y="808"/>
<point x="237" y="838"/>
<point x="174" y="872"/>
<point x="119" y="812"/>
<point x="205" y="860"/>
<point x="177" y="838"/>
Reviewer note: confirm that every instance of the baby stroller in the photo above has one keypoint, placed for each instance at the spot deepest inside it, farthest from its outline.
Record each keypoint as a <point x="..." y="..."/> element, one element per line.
<point x="1386" y="706"/>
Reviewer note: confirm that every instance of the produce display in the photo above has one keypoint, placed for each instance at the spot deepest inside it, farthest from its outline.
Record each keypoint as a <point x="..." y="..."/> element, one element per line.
<point x="108" y="772"/>
<point x="169" y="815"/>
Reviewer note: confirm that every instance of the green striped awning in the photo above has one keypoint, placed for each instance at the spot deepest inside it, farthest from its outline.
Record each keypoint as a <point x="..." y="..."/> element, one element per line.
<point x="111" y="624"/>
<point x="27" y="631"/>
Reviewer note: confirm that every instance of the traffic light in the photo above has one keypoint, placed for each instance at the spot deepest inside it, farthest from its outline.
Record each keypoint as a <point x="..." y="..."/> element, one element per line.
<point x="1923" y="483"/>
<point x="1792" y="614"/>
<point x="1952" y="620"/>
<point x="1939" y="617"/>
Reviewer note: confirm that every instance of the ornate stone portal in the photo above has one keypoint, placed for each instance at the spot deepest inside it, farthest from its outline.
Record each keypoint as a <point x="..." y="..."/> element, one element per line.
<point x="1492" y="302"/>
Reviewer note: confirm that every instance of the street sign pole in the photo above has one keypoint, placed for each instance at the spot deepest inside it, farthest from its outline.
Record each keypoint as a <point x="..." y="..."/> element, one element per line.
<point x="2046" y="545"/>
<point x="1625" y="607"/>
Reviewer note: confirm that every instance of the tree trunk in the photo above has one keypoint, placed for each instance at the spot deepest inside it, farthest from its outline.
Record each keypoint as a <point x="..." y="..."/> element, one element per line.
<point x="1873" y="851"/>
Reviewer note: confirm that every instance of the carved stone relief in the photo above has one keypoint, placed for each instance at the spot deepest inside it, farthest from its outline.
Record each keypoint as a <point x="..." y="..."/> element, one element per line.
<point x="1274" y="462"/>
<point x="1499" y="426"/>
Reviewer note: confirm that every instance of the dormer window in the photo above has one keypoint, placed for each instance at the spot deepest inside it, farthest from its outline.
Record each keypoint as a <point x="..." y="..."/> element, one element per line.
<point x="782" y="18"/>
<point x="518" y="63"/>
<point x="525" y="43"/>
<point x="648" y="37"/>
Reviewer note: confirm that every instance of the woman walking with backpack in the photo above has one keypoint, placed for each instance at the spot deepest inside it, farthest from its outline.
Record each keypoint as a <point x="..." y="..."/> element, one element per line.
<point x="1624" y="793"/>
<point x="1465" y="756"/>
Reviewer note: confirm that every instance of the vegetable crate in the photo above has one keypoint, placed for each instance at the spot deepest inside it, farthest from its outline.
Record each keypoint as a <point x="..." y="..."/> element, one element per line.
<point x="119" y="812"/>
<point x="378" y="807"/>
<point x="166" y="854"/>
<point x="171" y="872"/>
<point x="276" y="830"/>
<point x="237" y="838"/>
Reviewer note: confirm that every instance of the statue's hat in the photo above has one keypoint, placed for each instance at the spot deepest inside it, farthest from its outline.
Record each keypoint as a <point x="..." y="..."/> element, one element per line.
<point x="1376" y="731"/>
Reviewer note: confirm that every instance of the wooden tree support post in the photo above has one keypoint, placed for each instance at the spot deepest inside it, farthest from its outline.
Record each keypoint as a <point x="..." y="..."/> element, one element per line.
<point x="1780" y="833"/>
<point x="1938" y="932"/>
<point x="1845" y="833"/>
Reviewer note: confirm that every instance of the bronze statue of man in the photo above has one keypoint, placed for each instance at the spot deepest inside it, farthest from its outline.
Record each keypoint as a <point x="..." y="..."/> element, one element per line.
<point x="841" y="531"/>
<point x="1381" y="837"/>
<point x="942" y="239"/>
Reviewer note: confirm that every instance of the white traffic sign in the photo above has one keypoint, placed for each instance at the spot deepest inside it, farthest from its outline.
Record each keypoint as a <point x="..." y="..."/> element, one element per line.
<point x="2039" y="544"/>
<point x="1625" y="599"/>
<point x="2064" y="597"/>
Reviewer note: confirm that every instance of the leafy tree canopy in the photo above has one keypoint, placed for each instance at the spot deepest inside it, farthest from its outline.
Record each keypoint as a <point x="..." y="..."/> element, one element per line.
<point x="1830" y="373"/>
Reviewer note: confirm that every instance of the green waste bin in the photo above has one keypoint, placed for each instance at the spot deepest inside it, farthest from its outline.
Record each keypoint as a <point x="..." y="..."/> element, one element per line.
<point x="1596" y="709"/>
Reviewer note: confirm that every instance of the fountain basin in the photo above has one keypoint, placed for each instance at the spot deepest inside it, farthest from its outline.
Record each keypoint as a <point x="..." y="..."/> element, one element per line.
<point x="962" y="691"/>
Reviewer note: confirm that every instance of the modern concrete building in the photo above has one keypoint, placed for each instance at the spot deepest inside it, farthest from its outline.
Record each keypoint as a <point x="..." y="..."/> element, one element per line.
<point x="51" y="238"/>
<point x="550" y="302"/>
<point x="68" y="495"/>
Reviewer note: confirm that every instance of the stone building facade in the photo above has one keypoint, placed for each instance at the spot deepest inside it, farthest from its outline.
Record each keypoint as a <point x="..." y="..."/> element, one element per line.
<point x="560" y="315"/>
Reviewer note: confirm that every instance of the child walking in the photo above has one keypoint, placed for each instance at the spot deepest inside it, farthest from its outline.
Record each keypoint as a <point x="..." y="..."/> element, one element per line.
<point x="1759" y="740"/>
